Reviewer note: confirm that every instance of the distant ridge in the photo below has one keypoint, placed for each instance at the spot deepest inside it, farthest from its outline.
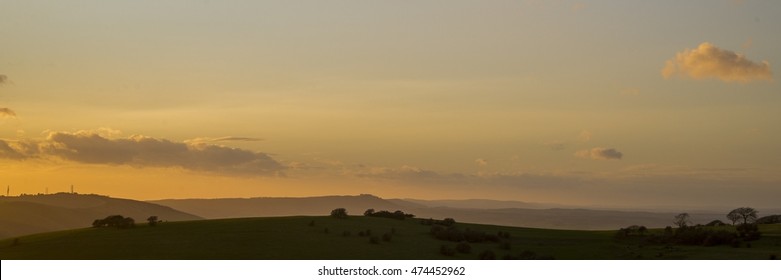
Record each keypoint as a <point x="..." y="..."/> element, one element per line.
<point x="278" y="206"/>
<point x="28" y="214"/>
<point x="508" y="213"/>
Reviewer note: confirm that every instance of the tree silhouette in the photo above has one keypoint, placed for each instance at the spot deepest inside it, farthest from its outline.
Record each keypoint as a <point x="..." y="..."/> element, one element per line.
<point x="340" y="213"/>
<point x="745" y="213"/>
<point x="733" y="216"/>
<point x="152" y="221"/>
<point x="682" y="220"/>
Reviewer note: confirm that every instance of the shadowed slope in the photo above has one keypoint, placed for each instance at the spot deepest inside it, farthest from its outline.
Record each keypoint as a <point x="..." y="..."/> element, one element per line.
<point x="20" y="215"/>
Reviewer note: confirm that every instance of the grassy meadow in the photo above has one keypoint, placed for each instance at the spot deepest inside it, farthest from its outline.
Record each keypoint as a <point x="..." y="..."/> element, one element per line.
<point x="304" y="237"/>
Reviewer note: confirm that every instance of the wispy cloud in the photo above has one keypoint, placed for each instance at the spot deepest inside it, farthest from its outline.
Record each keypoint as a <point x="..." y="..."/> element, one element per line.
<point x="142" y="151"/>
<point x="415" y="176"/>
<point x="3" y="79"/>
<point x="481" y="162"/>
<point x="600" y="154"/>
<point x="709" y="61"/>
<point x="7" y="113"/>
<point x="223" y="139"/>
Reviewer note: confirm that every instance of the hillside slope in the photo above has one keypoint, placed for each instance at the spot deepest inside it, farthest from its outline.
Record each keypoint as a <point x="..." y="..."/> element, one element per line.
<point x="330" y="238"/>
<point x="21" y="215"/>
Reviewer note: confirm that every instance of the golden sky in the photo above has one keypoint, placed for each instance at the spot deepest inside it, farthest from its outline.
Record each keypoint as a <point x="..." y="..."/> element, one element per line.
<point x="608" y="103"/>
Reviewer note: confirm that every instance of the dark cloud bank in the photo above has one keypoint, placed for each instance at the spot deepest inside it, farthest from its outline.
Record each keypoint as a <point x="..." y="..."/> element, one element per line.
<point x="142" y="151"/>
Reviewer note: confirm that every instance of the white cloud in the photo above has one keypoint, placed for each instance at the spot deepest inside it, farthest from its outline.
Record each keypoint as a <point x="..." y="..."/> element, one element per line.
<point x="709" y="61"/>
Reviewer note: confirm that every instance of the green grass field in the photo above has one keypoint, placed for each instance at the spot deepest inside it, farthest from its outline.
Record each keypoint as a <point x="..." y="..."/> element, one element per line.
<point x="295" y="238"/>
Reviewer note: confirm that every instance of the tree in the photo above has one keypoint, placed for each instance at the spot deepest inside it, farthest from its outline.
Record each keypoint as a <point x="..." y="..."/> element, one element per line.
<point x="682" y="220"/>
<point x="733" y="216"/>
<point x="152" y="220"/>
<point x="642" y="230"/>
<point x="340" y="213"/>
<point x="745" y="213"/>
<point x="369" y="212"/>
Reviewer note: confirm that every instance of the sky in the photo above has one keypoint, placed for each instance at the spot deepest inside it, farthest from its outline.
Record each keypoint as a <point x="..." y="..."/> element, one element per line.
<point x="600" y="103"/>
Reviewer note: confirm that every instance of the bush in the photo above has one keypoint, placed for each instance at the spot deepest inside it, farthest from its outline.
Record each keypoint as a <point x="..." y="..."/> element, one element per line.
<point x="374" y="240"/>
<point x="398" y="214"/>
<point x="715" y="223"/>
<point x="772" y="219"/>
<point x="718" y="238"/>
<point x="312" y="223"/>
<point x="386" y="237"/>
<point x="339" y="213"/>
<point x="749" y="232"/>
<point x="116" y="221"/>
<point x="446" y="250"/>
<point x="464" y="248"/>
<point x="152" y="221"/>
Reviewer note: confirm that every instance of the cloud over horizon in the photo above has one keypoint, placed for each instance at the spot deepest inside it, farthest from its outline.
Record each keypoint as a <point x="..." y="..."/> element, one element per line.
<point x="142" y="151"/>
<point x="600" y="154"/>
<point x="7" y="113"/>
<point x="709" y="61"/>
<point x="223" y="139"/>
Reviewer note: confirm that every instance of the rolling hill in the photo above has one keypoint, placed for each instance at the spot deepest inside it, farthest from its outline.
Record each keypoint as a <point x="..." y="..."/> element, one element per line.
<point x="506" y="213"/>
<point x="304" y="237"/>
<point x="21" y="215"/>
<point x="277" y="206"/>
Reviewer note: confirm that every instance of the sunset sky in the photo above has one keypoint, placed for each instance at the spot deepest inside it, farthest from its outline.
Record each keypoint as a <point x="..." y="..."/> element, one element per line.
<point x="607" y="103"/>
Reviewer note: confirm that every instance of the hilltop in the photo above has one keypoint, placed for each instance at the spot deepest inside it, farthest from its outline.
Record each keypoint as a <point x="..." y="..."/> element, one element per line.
<point x="28" y="214"/>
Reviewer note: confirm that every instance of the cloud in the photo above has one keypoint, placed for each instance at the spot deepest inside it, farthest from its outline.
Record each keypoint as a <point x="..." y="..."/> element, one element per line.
<point x="6" y="151"/>
<point x="7" y="113"/>
<point x="3" y="79"/>
<point x="414" y="176"/>
<point x="223" y="139"/>
<point x="142" y="151"/>
<point x="481" y="162"/>
<point x="600" y="154"/>
<point x="709" y="61"/>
